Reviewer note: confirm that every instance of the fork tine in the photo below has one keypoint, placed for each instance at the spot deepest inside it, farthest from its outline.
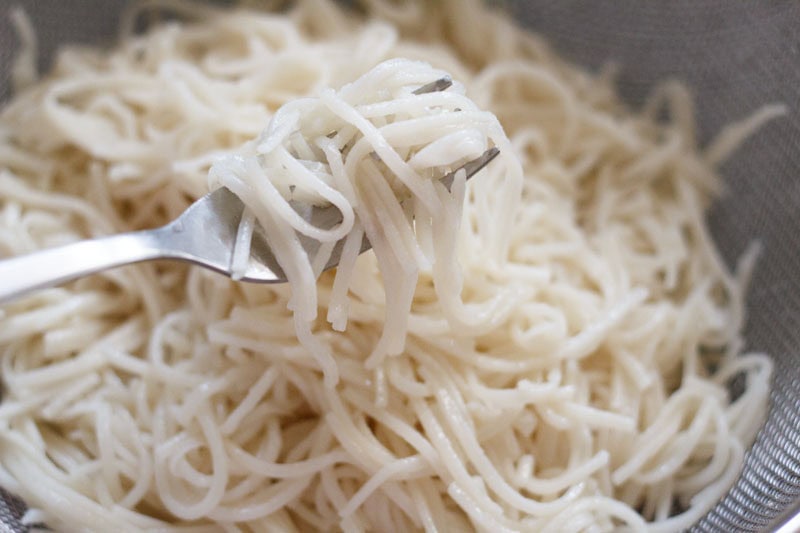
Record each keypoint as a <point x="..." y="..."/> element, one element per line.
<point x="472" y="167"/>
<point x="437" y="85"/>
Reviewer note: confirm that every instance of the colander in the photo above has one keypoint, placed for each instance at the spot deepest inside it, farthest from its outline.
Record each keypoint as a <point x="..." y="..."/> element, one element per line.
<point x="735" y="56"/>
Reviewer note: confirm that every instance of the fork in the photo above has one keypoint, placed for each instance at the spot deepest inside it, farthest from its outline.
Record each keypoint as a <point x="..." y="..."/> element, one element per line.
<point x="204" y="234"/>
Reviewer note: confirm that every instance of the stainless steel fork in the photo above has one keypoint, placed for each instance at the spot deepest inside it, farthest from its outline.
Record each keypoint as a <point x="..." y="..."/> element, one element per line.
<point x="204" y="234"/>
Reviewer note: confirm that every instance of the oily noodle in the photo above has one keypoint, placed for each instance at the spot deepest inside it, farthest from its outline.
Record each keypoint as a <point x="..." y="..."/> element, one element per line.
<point x="550" y="348"/>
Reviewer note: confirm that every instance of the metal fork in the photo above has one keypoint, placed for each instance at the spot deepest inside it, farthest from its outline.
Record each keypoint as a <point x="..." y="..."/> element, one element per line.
<point x="204" y="234"/>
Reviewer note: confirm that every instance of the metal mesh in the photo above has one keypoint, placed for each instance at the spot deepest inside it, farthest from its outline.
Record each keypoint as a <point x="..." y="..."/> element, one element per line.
<point x="735" y="56"/>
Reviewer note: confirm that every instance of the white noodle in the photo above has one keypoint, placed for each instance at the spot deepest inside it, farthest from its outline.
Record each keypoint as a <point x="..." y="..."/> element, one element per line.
<point x="545" y="347"/>
<point x="241" y="247"/>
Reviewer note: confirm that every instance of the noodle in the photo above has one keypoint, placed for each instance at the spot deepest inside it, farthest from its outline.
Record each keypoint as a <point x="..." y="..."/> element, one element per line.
<point x="546" y="347"/>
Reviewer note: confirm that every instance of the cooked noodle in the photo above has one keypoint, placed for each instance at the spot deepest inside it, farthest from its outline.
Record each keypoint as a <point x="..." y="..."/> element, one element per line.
<point x="546" y="347"/>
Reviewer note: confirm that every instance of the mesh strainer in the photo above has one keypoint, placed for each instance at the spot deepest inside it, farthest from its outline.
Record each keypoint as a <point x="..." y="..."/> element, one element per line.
<point x="735" y="57"/>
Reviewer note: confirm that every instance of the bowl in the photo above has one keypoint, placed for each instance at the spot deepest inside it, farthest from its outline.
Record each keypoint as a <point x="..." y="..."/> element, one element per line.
<point x="735" y="57"/>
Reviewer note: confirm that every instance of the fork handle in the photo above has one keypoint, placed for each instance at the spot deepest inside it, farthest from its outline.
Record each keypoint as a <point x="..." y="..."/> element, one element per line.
<point x="47" y="268"/>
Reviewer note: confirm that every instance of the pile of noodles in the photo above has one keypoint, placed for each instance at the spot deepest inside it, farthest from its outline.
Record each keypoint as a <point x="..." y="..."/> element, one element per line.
<point x="545" y="347"/>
